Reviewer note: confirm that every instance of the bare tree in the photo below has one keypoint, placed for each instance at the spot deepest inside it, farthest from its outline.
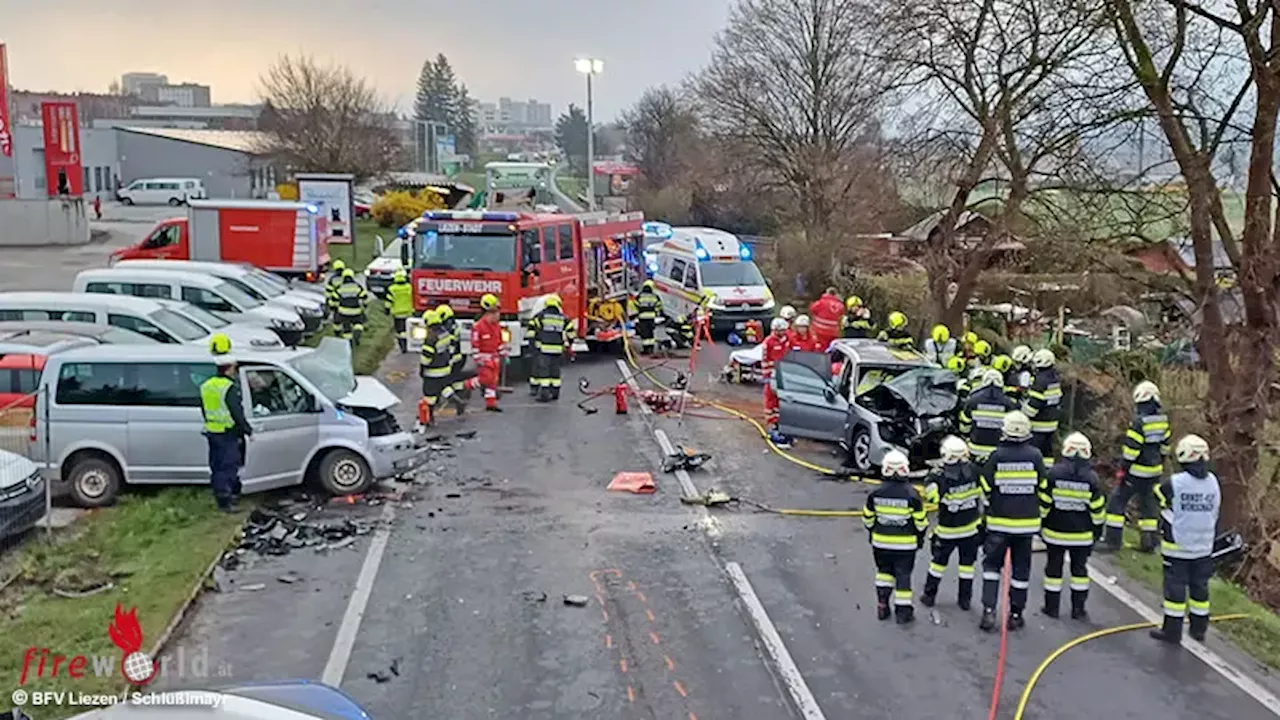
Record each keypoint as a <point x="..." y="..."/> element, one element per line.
<point x="1211" y="72"/>
<point x="1008" y="96"/>
<point x="324" y="118"/>
<point x="793" y="84"/>
<point x="662" y="136"/>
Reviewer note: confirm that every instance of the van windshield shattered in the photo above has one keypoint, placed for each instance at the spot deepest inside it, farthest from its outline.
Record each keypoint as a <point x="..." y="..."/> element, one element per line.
<point x="328" y="367"/>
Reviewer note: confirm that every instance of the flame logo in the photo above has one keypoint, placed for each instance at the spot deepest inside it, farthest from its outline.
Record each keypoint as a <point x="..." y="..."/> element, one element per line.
<point x="125" y="631"/>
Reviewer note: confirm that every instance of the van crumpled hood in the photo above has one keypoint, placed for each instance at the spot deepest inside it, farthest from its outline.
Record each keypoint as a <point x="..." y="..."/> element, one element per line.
<point x="370" y="393"/>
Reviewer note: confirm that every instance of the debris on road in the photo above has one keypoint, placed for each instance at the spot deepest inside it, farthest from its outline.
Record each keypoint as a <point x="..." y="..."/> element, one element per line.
<point x="289" y="578"/>
<point x="684" y="459"/>
<point x="576" y="600"/>
<point x="465" y="434"/>
<point x="345" y="542"/>
<point x="640" y="483"/>
<point x="271" y="533"/>
<point x="379" y="677"/>
<point x="253" y="587"/>
<point x="534" y="596"/>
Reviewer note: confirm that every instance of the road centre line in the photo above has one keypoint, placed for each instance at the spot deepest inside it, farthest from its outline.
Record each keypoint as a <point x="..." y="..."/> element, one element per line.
<point x="336" y="667"/>
<point x="791" y="677"/>
<point x="1224" y="668"/>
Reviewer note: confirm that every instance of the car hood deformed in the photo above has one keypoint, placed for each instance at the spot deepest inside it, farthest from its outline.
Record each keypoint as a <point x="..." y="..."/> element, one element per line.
<point x="923" y="392"/>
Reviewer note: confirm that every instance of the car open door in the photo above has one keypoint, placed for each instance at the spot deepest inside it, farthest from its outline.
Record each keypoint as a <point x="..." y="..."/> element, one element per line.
<point x="808" y="404"/>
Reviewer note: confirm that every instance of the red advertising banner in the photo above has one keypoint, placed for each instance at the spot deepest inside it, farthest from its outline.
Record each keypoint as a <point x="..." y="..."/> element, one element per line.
<point x="63" y="173"/>
<point x="6" y="139"/>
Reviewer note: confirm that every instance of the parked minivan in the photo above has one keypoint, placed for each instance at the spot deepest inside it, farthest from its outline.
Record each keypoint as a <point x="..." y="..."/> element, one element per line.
<point x="142" y="315"/>
<point x="132" y="415"/>
<point x="204" y="291"/>
<point x="161" y="191"/>
<point x="309" y="306"/>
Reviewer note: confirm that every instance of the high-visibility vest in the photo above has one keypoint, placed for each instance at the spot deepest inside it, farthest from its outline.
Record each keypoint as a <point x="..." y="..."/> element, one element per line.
<point x="213" y="402"/>
<point x="400" y="295"/>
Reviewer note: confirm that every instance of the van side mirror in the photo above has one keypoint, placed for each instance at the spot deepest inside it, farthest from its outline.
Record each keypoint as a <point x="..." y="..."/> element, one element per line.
<point x="379" y="245"/>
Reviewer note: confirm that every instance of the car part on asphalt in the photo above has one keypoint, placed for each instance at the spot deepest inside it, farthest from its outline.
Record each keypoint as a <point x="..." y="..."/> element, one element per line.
<point x="684" y="459"/>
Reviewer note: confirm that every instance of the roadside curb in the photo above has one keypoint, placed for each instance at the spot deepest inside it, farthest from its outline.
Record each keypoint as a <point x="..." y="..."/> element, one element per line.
<point x="181" y="613"/>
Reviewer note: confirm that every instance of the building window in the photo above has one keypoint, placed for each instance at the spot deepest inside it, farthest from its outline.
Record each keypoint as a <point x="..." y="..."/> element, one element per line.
<point x="97" y="179"/>
<point x="87" y="186"/>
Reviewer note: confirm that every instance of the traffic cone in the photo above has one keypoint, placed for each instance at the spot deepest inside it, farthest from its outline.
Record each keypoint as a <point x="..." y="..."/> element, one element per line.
<point x="620" y="398"/>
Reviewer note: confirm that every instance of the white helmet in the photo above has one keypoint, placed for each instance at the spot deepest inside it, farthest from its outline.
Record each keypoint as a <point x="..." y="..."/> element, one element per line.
<point x="1192" y="448"/>
<point x="802" y="321"/>
<point x="991" y="376"/>
<point x="787" y="313"/>
<point x="1146" y="390"/>
<point x="895" y="464"/>
<point x="1043" y="358"/>
<point x="1021" y="354"/>
<point x="1016" y="426"/>
<point x="954" y="450"/>
<point x="1077" y="446"/>
<point x="778" y="324"/>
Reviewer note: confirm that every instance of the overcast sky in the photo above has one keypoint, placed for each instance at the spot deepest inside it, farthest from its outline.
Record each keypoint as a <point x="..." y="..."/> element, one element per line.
<point x="517" y="48"/>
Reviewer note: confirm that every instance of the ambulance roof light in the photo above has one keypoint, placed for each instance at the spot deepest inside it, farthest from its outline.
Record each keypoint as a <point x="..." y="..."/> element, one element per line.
<point x="700" y="252"/>
<point x="659" y="230"/>
<point x="744" y="251"/>
<point x="313" y="209"/>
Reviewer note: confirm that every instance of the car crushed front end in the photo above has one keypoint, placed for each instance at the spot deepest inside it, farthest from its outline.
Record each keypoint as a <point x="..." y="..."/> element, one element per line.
<point x="911" y="412"/>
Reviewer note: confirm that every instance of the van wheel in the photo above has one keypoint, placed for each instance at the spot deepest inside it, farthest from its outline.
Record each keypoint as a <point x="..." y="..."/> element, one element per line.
<point x="175" y="201"/>
<point x="95" y="482"/>
<point x="343" y="472"/>
<point x="859" y="456"/>
<point x="126" y="201"/>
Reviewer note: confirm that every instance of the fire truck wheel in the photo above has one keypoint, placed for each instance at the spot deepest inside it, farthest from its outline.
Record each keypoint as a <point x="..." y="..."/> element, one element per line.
<point x="343" y="472"/>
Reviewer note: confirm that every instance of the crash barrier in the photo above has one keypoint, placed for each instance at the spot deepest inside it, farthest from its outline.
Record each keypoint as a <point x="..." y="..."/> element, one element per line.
<point x="25" y="498"/>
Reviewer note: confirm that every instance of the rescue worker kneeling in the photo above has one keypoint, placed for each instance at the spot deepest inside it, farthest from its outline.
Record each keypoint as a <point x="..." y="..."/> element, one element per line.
<point x="684" y="333"/>
<point x="894" y="513"/>
<point x="352" y="299"/>
<point x="1072" y="508"/>
<point x="1010" y="480"/>
<point x="550" y="336"/>
<point x="954" y="488"/>
<point x="1189" y="506"/>
<point x="434" y="367"/>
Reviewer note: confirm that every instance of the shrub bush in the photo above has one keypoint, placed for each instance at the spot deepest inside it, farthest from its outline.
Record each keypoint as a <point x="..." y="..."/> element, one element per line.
<point x="398" y="207"/>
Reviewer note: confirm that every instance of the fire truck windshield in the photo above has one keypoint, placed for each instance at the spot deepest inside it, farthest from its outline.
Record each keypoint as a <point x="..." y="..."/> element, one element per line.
<point x="465" y="251"/>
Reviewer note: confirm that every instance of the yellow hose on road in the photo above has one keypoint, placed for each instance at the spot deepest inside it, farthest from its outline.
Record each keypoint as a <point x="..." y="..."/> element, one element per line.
<point x="1035" y="676"/>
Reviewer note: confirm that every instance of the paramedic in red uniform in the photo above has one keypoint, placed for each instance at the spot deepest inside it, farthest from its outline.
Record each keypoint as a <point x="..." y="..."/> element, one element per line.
<point x="827" y="312"/>
<point x="775" y="346"/>
<point x="488" y="349"/>
<point x="804" y="339"/>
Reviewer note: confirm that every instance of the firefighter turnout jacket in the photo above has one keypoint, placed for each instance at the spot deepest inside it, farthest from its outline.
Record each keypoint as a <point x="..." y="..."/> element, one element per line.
<point x="856" y="326"/>
<point x="1146" y="442"/>
<point x="1189" y="506"/>
<point x="549" y="331"/>
<point x="898" y="338"/>
<point x="1072" y="504"/>
<point x="351" y="299"/>
<point x="648" y="305"/>
<point x="1044" y="401"/>
<point x="436" y="360"/>
<point x="955" y="489"/>
<point x="894" y="513"/>
<point x="982" y="417"/>
<point x="1011" y="480"/>
<point x="399" y="299"/>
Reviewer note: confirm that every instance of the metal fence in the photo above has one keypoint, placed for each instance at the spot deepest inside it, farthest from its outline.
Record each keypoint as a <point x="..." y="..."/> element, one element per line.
<point x="25" y="498"/>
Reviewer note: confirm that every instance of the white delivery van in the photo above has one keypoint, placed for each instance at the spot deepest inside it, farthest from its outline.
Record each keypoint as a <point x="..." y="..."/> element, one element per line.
<point x="161" y="191"/>
<point x="147" y="316"/>
<point x="255" y="281"/>
<point x="205" y="291"/>
<point x="694" y="259"/>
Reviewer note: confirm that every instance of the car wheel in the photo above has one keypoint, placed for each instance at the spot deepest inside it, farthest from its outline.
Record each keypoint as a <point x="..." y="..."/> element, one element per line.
<point x="175" y="202"/>
<point x="126" y="201"/>
<point x="95" y="482"/>
<point x="342" y="472"/>
<point x="859" y="454"/>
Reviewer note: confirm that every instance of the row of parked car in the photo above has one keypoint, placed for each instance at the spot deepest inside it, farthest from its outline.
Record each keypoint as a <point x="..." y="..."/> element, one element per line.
<point x="108" y="376"/>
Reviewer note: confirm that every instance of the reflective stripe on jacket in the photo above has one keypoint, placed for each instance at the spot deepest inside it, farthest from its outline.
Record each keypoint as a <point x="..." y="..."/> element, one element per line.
<point x="1012" y="478"/>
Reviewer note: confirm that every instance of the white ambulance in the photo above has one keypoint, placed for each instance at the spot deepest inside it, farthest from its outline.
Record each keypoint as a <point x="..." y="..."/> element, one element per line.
<point x="694" y="259"/>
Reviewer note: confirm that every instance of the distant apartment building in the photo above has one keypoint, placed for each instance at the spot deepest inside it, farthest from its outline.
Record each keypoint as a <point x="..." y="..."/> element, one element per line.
<point x="156" y="89"/>
<point x="134" y="83"/>
<point x="90" y="106"/>
<point x="512" y="116"/>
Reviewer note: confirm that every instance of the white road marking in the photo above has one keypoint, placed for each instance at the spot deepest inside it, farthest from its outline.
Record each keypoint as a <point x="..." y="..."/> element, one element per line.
<point x="682" y="476"/>
<point x="773" y="644"/>
<point x="1247" y="684"/>
<point x="630" y="379"/>
<point x="340" y="655"/>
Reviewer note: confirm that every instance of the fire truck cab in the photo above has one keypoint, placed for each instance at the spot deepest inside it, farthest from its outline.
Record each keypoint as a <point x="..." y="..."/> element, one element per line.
<point x="594" y="261"/>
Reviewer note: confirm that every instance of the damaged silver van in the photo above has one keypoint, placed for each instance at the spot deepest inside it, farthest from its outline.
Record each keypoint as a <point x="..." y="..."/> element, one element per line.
<point x="130" y="415"/>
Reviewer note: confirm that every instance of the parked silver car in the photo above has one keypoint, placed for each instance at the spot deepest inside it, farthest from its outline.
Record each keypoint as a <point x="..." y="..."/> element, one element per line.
<point x="131" y="415"/>
<point x="878" y="400"/>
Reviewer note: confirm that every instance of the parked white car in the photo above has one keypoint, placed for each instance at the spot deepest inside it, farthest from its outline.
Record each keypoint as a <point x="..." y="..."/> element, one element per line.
<point x="22" y="494"/>
<point x="161" y="191"/>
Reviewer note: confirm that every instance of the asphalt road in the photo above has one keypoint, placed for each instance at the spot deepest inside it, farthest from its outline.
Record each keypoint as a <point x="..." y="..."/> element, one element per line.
<point x="468" y="601"/>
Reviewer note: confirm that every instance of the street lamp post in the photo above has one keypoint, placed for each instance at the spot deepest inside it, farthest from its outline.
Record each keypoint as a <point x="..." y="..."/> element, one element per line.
<point x="589" y="67"/>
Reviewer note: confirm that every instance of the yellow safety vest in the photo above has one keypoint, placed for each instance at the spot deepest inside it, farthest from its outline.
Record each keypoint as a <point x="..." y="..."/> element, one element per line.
<point x="213" y="402"/>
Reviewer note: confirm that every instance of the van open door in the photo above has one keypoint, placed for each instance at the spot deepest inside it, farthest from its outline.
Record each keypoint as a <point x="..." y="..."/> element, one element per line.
<point x="809" y="405"/>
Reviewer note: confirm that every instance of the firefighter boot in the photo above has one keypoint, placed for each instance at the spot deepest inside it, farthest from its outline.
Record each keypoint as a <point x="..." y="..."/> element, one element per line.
<point x="1016" y="620"/>
<point x="1150" y="541"/>
<point x="1112" y="541"/>
<point x="1078" y="611"/>
<point x="929" y="597"/>
<point x="988" y="620"/>
<point x="904" y="614"/>
<point x="1052" y="600"/>
<point x="883" y="612"/>
<point x="1171" y="632"/>
<point x="1199" y="626"/>
<point x="404" y="345"/>
<point x="965" y="595"/>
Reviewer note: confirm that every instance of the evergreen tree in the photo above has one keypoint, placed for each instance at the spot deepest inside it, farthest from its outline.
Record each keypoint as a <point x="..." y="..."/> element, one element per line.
<point x="571" y="136"/>
<point x="436" y="98"/>
<point x="463" y="124"/>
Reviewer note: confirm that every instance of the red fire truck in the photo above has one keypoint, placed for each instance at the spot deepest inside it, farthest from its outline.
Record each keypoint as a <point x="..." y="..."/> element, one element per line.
<point x="594" y="261"/>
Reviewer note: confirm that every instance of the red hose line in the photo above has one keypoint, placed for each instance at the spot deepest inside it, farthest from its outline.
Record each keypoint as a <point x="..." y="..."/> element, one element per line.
<point x="1004" y="637"/>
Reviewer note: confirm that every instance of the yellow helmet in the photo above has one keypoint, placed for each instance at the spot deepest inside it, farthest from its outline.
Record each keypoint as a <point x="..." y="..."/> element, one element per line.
<point x="982" y="348"/>
<point x="445" y="311"/>
<point x="339" y="266"/>
<point x="940" y="334"/>
<point x="955" y="364"/>
<point x="852" y="302"/>
<point x="553" y="300"/>
<point x="400" y="276"/>
<point x="348" y="273"/>
<point x="897" y="320"/>
<point x="970" y="338"/>
<point x="1003" y="363"/>
<point x="489" y="301"/>
<point x="219" y="344"/>
<point x="431" y="317"/>
<point x="646" y="285"/>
